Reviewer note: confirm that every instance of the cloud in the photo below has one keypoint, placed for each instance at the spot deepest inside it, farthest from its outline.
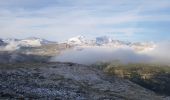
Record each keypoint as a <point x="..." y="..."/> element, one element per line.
<point x="160" y="53"/>
<point x="71" y="17"/>
<point x="90" y="55"/>
<point x="101" y="54"/>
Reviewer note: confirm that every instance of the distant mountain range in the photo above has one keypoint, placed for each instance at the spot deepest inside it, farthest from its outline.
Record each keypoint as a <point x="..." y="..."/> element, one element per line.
<point x="13" y="44"/>
<point x="103" y="41"/>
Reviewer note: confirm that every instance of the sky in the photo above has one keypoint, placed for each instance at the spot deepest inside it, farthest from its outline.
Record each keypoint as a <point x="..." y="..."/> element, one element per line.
<point x="132" y="20"/>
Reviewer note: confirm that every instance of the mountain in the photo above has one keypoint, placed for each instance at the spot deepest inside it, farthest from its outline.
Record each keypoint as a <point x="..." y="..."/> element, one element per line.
<point x="78" y="40"/>
<point x="34" y="42"/>
<point x="39" y="40"/>
<point x="137" y="46"/>
<point x="105" y="41"/>
<point x="98" y="41"/>
<point x="2" y="43"/>
<point x="14" y="44"/>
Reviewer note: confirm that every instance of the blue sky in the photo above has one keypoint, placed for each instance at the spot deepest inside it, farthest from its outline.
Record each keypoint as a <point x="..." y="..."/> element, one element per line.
<point x="134" y="20"/>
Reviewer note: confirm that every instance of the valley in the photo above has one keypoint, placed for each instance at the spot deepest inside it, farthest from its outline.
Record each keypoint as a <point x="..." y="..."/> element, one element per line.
<point x="81" y="69"/>
<point x="84" y="50"/>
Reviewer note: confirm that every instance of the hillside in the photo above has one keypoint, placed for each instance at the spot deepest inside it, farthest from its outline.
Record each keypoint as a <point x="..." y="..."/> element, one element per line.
<point x="66" y="81"/>
<point x="152" y="76"/>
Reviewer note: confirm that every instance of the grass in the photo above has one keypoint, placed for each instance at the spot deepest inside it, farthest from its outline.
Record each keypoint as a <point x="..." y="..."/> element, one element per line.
<point x="155" y="77"/>
<point x="137" y="68"/>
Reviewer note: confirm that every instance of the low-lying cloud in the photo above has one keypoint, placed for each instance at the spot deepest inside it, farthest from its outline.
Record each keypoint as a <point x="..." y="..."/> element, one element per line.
<point x="125" y="55"/>
<point x="160" y="53"/>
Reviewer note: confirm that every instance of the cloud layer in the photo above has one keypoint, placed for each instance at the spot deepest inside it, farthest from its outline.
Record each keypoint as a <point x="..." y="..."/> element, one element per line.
<point x="61" y="19"/>
<point x="92" y="55"/>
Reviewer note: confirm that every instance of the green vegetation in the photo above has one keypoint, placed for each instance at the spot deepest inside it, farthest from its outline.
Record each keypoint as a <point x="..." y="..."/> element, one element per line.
<point x="131" y="70"/>
<point x="151" y="76"/>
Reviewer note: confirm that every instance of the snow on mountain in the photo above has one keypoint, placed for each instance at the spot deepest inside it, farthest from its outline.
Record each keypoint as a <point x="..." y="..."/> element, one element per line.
<point x="14" y="44"/>
<point x="38" y="40"/>
<point x="30" y="42"/>
<point x="109" y="42"/>
<point x="105" y="41"/>
<point x="78" y="40"/>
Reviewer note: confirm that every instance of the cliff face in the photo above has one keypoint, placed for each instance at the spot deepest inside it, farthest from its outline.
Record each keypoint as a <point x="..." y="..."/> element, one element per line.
<point x="66" y="81"/>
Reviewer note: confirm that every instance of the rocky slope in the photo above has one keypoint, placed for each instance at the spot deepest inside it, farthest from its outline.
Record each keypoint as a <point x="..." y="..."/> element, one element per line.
<point x="66" y="81"/>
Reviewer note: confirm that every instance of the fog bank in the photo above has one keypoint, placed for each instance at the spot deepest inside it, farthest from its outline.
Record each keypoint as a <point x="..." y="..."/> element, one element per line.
<point x="90" y="55"/>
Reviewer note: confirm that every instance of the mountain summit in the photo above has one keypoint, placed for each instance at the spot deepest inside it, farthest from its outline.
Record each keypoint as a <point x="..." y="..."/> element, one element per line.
<point x="78" y="40"/>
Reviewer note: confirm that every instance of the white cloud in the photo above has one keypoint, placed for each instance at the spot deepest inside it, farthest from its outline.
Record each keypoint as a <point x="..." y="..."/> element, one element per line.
<point x="68" y="19"/>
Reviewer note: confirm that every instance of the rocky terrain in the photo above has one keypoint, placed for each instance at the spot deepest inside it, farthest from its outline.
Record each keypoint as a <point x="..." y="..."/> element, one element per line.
<point x="66" y="81"/>
<point x="26" y="73"/>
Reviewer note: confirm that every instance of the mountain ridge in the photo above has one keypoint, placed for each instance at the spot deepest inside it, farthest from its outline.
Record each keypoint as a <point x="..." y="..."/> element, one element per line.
<point x="102" y="41"/>
<point x="105" y="41"/>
